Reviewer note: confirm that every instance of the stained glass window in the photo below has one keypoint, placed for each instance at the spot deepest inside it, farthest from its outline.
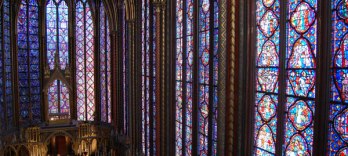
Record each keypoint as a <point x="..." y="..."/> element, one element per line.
<point x="145" y="78"/>
<point x="267" y="70"/>
<point x="84" y="61"/>
<point x="301" y="75"/>
<point x="206" y="72"/>
<point x="58" y="97"/>
<point x="28" y="61"/>
<point x="6" y="100"/>
<point x="338" y="117"/>
<point x="300" y="70"/>
<point x="148" y="79"/>
<point x="57" y="41"/>
<point x="57" y="32"/>
<point x="105" y="66"/>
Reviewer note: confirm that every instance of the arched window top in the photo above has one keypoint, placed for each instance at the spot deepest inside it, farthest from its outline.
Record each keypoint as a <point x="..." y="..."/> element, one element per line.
<point x="56" y="2"/>
<point x="57" y="32"/>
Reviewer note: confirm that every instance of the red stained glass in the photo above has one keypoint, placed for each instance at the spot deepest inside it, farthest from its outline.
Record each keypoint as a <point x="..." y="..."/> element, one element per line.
<point x="207" y="72"/>
<point x="105" y="67"/>
<point x="85" y="62"/>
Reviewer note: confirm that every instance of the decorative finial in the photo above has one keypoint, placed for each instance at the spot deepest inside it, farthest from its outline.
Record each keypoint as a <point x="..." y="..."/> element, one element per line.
<point x="47" y="72"/>
<point x="67" y="70"/>
<point x="56" y="61"/>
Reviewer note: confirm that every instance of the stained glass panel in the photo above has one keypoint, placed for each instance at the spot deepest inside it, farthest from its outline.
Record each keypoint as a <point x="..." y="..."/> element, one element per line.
<point x="58" y="101"/>
<point x="153" y="89"/>
<point x="84" y="62"/>
<point x="105" y="66"/>
<point x="301" y="76"/>
<point x="179" y="74"/>
<point x="51" y="32"/>
<point x="208" y="44"/>
<point x="149" y="110"/>
<point x="267" y="71"/>
<point x="63" y="34"/>
<point x="57" y="41"/>
<point x="145" y="78"/>
<point x="6" y="102"/>
<point x="207" y="75"/>
<point x="125" y="69"/>
<point x="184" y="69"/>
<point x="28" y="61"/>
<point x="7" y="63"/>
<point x="338" y="125"/>
<point x="57" y="35"/>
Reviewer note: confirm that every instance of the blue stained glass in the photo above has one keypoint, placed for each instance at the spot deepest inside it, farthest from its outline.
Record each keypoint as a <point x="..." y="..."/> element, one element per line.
<point x="301" y="76"/>
<point x="145" y="79"/>
<point x="28" y="61"/>
<point x="207" y="72"/>
<point x="338" y="130"/>
<point x="63" y="38"/>
<point x="57" y="39"/>
<point x="51" y="32"/>
<point x="105" y="66"/>
<point x="149" y="110"/>
<point x="153" y="79"/>
<point x="207" y="81"/>
<point x="6" y="66"/>
<point x="57" y="35"/>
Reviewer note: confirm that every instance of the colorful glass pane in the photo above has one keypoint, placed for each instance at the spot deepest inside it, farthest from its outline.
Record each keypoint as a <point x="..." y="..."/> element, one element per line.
<point x="58" y="101"/>
<point x="51" y="31"/>
<point x="7" y="62"/>
<point x="105" y="66"/>
<point x="267" y="71"/>
<point x="207" y="73"/>
<point x="337" y="138"/>
<point x="145" y="78"/>
<point x="28" y="61"/>
<point x="53" y="100"/>
<point x="63" y="34"/>
<point x="6" y="101"/>
<point x="149" y="110"/>
<point x="125" y="70"/>
<point x="57" y="33"/>
<point x="301" y="76"/>
<point x="84" y="62"/>
<point x="179" y="77"/>
<point x="153" y="79"/>
<point x="208" y="44"/>
<point x="57" y="41"/>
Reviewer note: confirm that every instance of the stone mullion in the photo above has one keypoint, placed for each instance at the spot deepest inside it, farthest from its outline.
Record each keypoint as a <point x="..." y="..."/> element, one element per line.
<point x="131" y="91"/>
<point x="119" y="69"/>
<point x="138" y="77"/>
<point x="97" y="75"/>
<point x="163" y="80"/>
<point x="114" y="78"/>
<point x="42" y="57"/>
<point x="72" y="53"/>
<point x="157" y="14"/>
<point x="222" y="74"/>
<point x="14" y="78"/>
<point x="232" y="77"/>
